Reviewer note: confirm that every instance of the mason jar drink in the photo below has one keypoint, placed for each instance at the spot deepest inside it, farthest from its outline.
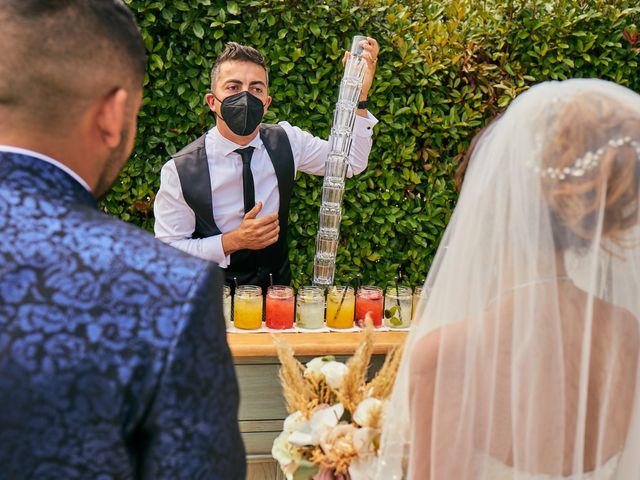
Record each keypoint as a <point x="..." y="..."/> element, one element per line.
<point x="340" y="307"/>
<point x="369" y="300"/>
<point x="310" y="307"/>
<point x="420" y="294"/>
<point x="226" y="305"/>
<point x="397" y="307"/>
<point x="279" y="307"/>
<point x="247" y="311"/>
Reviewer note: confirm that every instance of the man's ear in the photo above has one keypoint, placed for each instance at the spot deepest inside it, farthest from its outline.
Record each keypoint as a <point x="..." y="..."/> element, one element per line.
<point x="111" y="117"/>
<point x="210" y="98"/>
<point x="267" y="103"/>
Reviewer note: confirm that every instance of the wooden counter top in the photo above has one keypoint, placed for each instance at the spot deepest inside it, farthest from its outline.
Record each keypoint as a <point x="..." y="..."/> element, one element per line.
<point x="312" y="344"/>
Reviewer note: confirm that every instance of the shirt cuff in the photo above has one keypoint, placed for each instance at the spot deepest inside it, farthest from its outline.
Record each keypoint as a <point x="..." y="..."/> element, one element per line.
<point x="363" y="126"/>
<point x="222" y="260"/>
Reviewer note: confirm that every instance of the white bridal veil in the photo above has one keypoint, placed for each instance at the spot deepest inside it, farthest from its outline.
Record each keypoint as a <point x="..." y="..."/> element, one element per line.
<point x="523" y="361"/>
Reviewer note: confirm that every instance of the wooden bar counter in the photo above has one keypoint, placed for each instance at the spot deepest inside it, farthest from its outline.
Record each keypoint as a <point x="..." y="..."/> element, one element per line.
<point x="262" y="409"/>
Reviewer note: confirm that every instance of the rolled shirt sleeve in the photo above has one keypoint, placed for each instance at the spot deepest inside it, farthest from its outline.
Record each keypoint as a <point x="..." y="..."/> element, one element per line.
<point x="310" y="153"/>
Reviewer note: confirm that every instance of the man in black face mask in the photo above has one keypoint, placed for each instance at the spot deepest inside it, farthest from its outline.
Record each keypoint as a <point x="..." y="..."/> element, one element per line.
<point x="225" y="197"/>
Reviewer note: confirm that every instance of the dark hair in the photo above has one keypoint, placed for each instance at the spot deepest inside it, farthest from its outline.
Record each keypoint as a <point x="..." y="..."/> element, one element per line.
<point x="461" y="169"/>
<point x="239" y="53"/>
<point x="59" y="54"/>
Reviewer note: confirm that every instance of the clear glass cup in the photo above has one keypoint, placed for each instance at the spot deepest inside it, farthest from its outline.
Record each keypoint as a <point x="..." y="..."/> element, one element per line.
<point x="344" y="114"/>
<point x="356" y="48"/>
<point x="336" y="166"/>
<point x="247" y="307"/>
<point x="279" y="307"/>
<point x="326" y="245"/>
<point x="351" y="85"/>
<point x="369" y="301"/>
<point x="397" y="306"/>
<point x="332" y="191"/>
<point x="323" y="270"/>
<point x="340" y="141"/>
<point x="329" y="221"/>
<point x="420" y="295"/>
<point x="226" y="305"/>
<point x="340" y="307"/>
<point x="310" y="307"/>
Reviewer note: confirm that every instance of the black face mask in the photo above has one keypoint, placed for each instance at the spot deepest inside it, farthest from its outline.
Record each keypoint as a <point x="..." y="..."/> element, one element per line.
<point x="242" y="112"/>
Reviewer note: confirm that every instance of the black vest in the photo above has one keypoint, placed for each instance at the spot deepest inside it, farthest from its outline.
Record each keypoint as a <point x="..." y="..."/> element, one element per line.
<point x="249" y="267"/>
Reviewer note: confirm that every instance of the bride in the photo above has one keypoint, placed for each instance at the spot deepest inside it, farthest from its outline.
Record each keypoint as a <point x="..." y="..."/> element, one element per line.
<point x="523" y="361"/>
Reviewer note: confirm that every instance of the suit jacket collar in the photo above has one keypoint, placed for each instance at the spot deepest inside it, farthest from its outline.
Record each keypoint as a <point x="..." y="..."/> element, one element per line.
<point x="33" y="175"/>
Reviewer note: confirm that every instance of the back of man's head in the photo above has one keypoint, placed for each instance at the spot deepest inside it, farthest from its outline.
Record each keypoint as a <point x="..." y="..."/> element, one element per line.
<point x="59" y="56"/>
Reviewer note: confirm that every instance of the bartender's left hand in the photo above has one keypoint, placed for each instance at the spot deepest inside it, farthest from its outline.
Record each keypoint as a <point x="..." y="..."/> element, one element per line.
<point x="370" y="55"/>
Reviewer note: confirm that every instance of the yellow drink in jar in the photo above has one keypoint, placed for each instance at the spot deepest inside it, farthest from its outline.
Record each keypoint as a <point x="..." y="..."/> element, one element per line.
<point x="247" y="311"/>
<point x="340" y="311"/>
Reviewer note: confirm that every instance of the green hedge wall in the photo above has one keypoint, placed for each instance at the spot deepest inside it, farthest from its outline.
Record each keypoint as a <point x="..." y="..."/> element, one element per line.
<point x="446" y="68"/>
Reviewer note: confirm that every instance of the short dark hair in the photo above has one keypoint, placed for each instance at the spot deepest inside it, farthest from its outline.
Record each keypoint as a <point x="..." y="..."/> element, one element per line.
<point x="240" y="53"/>
<point x="59" y="54"/>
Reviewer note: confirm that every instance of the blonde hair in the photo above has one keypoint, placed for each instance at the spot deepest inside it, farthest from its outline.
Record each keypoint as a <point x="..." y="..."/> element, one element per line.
<point x="587" y="124"/>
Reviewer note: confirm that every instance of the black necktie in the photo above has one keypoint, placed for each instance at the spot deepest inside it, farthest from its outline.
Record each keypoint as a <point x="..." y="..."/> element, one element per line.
<point x="247" y="178"/>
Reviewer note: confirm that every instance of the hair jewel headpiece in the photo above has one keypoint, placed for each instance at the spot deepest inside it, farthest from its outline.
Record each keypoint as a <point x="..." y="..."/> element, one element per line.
<point x="587" y="162"/>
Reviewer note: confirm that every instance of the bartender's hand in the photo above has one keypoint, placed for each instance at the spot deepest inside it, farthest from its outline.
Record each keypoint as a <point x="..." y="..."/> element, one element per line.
<point x="253" y="233"/>
<point x="370" y="55"/>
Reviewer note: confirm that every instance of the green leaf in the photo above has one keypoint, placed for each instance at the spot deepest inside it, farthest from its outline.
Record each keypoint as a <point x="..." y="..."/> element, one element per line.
<point x="198" y="30"/>
<point x="305" y="472"/>
<point x="232" y="8"/>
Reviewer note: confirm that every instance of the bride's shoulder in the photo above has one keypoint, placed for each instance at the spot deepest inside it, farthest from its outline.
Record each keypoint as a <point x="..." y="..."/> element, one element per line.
<point x="426" y="348"/>
<point x="616" y="321"/>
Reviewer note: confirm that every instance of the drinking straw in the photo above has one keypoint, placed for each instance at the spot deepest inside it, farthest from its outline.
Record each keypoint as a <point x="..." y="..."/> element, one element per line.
<point x="344" y="293"/>
<point x="271" y="279"/>
<point x="398" y="296"/>
<point x="357" y="281"/>
<point x="235" y="280"/>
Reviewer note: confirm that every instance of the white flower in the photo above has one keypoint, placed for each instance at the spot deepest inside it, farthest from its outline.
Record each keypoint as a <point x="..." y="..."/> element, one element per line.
<point x="338" y="438"/>
<point x="286" y="454"/>
<point x="364" y="440"/>
<point x="334" y="373"/>
<point x="315" y="365"/>
<point x="293" y="422"/>
<point x="365" y="412"/>
<point x="302" y="436"/>
<point x="363" y="468"/>
<point x="324" y="419"/>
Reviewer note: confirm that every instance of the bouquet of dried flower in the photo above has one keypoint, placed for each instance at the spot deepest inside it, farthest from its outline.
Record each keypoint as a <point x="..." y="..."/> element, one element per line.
<point x="335" y="414"/>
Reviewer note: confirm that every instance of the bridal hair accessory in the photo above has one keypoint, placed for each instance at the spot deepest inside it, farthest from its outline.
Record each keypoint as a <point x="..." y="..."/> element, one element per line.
<point x="587" y="162"/>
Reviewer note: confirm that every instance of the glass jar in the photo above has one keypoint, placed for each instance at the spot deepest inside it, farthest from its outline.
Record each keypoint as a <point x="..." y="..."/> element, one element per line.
<point x="279" y="307"/>
<point x="420" y="295"/>
<point x="369" y="300"/>
<point x="340" y="307"/>
<point x="310" y="308"/>
<point x="247" y="308"/>
<point x="397" y="307"/>
<point x="226" y="305"/>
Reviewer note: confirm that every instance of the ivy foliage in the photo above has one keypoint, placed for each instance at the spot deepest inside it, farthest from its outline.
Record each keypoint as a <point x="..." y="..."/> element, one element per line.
<point x="446" y="68"/>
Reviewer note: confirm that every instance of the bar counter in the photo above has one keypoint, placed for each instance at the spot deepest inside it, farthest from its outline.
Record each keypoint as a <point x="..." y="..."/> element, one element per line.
<point x="303" y="344"/>
<point x="262" y="409"/>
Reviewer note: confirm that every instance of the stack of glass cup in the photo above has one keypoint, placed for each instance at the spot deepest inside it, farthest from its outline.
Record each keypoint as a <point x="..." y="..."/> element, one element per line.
<point x="324" y="263"/>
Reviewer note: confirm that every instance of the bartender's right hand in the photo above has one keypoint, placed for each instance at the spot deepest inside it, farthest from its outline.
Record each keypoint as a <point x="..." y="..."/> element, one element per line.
<point x="253" y="233"/>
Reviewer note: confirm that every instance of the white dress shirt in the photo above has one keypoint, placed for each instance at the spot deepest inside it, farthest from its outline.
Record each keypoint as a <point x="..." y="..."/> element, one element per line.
<point x="175" y="221"/>
<point x="45" y="158"/>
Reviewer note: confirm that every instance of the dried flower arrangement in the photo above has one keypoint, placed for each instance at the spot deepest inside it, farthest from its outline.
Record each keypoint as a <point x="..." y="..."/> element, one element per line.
<point x="335" y="414"/>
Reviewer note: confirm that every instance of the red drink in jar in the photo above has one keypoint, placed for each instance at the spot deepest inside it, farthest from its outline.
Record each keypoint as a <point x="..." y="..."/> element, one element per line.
<point x="369" y="299"/>
<point x="279" y="307"/>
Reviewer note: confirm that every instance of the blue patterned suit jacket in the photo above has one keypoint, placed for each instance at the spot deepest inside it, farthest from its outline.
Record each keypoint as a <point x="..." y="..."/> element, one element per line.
<point x="113" y="358"/>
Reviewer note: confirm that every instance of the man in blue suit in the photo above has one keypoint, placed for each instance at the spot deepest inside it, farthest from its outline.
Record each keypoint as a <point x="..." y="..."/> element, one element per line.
<point x="113" y="356"/>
